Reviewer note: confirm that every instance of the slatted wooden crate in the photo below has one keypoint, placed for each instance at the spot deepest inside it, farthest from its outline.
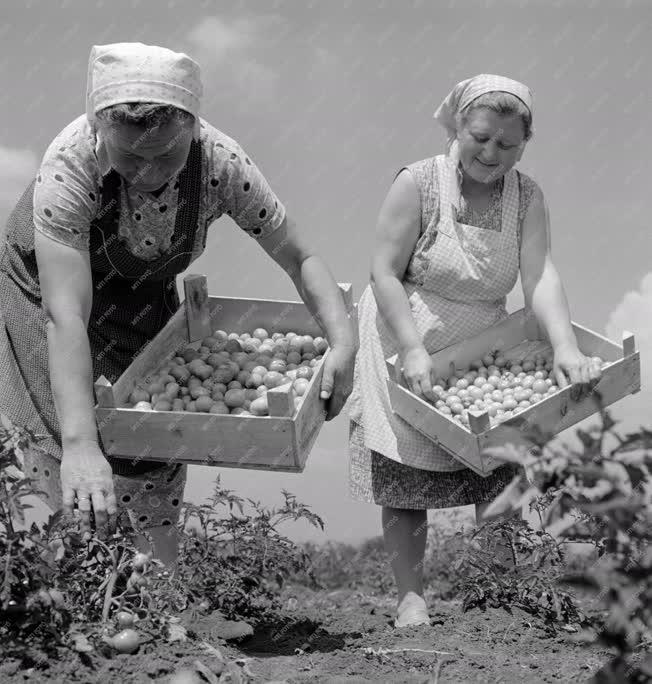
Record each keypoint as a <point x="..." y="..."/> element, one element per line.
<point x="556" y="412"/>
<point x="280" y="441"/>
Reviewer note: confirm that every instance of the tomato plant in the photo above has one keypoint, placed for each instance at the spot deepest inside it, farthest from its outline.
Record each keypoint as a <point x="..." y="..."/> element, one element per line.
<point x="601" y="494"/>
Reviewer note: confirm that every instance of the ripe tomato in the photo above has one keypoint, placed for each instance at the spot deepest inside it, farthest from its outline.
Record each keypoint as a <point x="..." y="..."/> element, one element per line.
<point x="527" y="381"/>
<point x="475" y="392"/>
<point x="509" y="404"/>
<point x="539" y="386"/>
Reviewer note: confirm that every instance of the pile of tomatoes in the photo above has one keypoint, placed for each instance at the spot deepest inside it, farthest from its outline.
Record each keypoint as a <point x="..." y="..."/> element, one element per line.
<point x="498" y="385"/>
<point x="231" y="373"/>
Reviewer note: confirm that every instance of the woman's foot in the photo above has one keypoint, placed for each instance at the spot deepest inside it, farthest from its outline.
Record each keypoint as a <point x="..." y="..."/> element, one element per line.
<point x="412" y="610"/>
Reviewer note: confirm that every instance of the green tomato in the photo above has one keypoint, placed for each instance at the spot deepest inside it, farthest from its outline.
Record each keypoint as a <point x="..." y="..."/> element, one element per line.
<point x="126" y="641"/>
<point x="141" y="560"/>
<point x="125" y="619"/>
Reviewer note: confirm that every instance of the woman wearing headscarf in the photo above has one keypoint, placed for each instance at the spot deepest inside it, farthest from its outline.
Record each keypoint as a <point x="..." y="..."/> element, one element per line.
<point x="121" y="205"/>
<point x="453" y="233"/>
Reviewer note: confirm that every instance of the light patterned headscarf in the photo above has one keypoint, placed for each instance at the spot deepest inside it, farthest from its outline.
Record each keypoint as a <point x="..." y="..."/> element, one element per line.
<point x="134" y="72"/>
<point x="466" y="91"/>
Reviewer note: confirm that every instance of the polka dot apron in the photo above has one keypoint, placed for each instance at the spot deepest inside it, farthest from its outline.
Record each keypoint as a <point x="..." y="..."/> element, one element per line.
<point x="456" y="284"/>
<point x="132" y="301"/>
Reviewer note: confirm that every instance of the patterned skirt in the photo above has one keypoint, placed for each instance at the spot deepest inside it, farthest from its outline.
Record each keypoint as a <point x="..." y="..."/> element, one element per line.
<point x="145" y="500"/>
<point x="374" y="478"/>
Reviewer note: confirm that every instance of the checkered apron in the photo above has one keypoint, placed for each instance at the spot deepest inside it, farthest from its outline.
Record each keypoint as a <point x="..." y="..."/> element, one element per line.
<point x="456" y="284"/>
<point x="132" y="300"/>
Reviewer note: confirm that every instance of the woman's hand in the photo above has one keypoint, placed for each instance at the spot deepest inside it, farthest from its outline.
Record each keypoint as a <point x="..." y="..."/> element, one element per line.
<point x="417" y="370"/>
<point x="337" y="379"/>
<point x="87" y="475"/>
<point x="570" y="365"/>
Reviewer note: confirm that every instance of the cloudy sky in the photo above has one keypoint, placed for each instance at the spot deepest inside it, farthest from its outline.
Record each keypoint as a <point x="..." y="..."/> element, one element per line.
<point x="330" y="99"/>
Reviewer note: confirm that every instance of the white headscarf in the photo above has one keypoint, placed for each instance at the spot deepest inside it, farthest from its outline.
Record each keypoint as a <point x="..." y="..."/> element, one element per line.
<point x="466" y="91"/>
<point x="134" y="72"/>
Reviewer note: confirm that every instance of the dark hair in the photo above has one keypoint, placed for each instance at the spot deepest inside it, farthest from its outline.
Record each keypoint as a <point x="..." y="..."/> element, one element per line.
<point x="502" y="103"/>
<point x="146" y="114"/>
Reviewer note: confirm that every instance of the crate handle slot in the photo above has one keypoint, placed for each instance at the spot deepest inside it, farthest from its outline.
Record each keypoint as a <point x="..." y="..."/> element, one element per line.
<point x="198" y="318"/>
<point x="104" y="393"/>
<point x="629" y="343"/>
<point x="280" y="401"/>
<point x="479" y="421"/>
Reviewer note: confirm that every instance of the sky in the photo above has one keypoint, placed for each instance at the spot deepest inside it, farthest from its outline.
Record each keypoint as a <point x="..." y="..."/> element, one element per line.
<point x="331" y="99"/>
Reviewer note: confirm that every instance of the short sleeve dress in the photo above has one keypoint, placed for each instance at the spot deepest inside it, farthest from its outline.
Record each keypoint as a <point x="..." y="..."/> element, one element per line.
<point x="137" y="242"/>
<point x="462" y="267"/>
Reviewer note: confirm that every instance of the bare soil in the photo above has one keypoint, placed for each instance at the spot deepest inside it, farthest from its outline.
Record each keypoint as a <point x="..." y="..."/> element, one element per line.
<point x="347" y="636"/>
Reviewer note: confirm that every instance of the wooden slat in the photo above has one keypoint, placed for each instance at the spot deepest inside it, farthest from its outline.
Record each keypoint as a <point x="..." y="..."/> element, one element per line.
<point x="221" y="440"/>
<point x="454" y="438"/>
<point x="503" y="335"/>
<point x="196" y="306"/>
<point x="479" y="421"/>
<point x="237" y="314"/>
<point x="172" y="337"/>
<point x="629" y="343"/>
<point x="280" y="401"/>
<point x="310" y="417"/>
<point x="104" y="393"/>
<point x="347" y="296"/>
<point x="592" y="344"/>
<point x="245" y="315"/>
<point x="394" y="370"/>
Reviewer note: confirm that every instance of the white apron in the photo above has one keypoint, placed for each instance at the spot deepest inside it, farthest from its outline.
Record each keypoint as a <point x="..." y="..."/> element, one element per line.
<point x="456" y="283"/>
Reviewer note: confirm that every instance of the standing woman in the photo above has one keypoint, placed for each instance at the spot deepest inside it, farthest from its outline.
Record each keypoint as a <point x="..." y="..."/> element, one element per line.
<point x="121" y="205"/>
<point x="453" y="232"/>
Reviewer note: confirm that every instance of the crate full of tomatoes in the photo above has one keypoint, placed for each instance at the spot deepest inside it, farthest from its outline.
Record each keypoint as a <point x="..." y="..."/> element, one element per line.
<point x="228" y="382"/>
<point x="501" y="381"/>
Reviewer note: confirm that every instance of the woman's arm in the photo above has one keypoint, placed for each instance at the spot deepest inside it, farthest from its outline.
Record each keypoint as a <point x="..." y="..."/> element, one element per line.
<point x="66" y="291"/>
<point x="398" y="230"/>
<point x="544" y="294"/>
<point x="322" y="296"/>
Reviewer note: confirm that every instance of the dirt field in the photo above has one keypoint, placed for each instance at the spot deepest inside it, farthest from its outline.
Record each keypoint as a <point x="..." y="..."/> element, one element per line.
<point x="346" y="636"/>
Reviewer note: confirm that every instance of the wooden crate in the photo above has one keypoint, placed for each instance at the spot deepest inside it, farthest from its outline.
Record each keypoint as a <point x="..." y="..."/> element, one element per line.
<point x="557" y="412"/>
<point x="280" y="441"/>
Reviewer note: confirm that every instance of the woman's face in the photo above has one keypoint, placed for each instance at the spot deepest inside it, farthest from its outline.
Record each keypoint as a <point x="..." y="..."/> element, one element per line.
<point x="147" y="158"/>
<point x="489" y="144"/>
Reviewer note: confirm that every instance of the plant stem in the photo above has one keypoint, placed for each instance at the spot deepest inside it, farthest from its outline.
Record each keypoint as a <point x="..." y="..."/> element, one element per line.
<point x="5" y="513"/>
<point x="109" y="594"/>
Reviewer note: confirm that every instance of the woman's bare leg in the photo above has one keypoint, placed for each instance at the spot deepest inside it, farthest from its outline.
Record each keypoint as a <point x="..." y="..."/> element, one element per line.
<point x="405" y="532"/>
